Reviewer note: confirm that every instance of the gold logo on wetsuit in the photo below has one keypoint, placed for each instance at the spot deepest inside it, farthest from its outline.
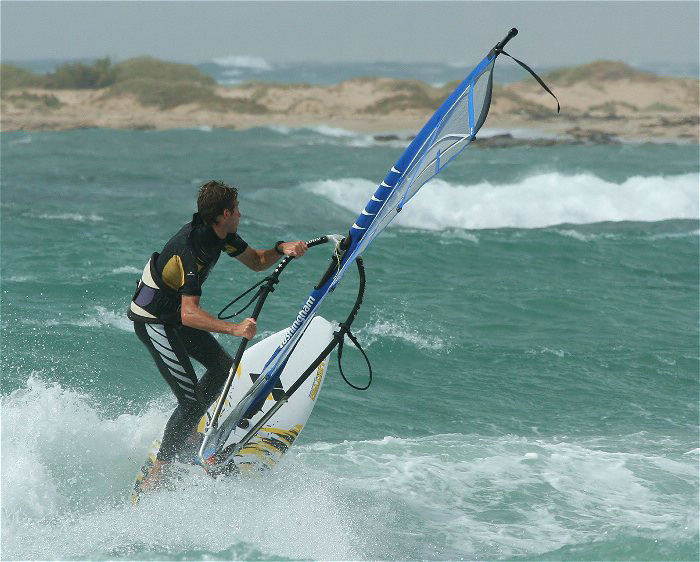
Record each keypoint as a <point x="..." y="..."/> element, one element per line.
<point x="174" y="273"/>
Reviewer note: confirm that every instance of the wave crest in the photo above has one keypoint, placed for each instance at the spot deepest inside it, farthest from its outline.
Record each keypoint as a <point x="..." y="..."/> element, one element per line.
<point x="244" y="61"/>
<point x="534" y="202"/>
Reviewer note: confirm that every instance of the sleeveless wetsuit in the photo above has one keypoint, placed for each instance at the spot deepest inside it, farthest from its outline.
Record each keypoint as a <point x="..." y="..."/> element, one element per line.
<point x="180" y="269"/>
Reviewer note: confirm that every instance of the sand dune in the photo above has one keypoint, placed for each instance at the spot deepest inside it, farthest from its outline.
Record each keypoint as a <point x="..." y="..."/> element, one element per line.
<point x="602" y="100"/>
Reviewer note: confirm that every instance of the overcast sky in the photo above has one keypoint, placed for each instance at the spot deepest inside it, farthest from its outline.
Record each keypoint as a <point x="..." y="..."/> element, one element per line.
<point x="551" y="33"/>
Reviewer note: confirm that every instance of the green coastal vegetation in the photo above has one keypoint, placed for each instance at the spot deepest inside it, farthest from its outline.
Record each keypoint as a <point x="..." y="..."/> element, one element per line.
<point x="165" y="85"/>
<point x="599" y="71"/>
<point x="76" y="76"/>
<point x="408" y="94"/>
<point x="152" y="82"/>
<point x="13" y="78"/>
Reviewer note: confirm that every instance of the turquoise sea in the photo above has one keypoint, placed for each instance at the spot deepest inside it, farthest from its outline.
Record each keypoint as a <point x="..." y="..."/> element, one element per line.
<point x="531" y="318"/>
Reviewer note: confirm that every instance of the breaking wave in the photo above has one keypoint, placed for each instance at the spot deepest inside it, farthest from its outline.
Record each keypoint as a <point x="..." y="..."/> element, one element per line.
<point x="244" y="61"/>
<point x="534" y="202"/>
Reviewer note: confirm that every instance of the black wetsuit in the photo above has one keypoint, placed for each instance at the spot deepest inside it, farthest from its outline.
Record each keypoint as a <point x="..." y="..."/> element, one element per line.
<point x="180" y="269"/>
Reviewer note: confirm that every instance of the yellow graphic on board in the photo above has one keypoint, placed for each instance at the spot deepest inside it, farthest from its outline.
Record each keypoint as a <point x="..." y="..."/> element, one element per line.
<point x="317" y="381"/>
<point x="289" y="435"/>
<point x="254" y="450"/>
<point x="269" y="449"/>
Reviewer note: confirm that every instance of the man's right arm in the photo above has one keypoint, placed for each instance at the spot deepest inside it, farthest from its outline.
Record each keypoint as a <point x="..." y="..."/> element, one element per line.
<point x="195" y="317"/>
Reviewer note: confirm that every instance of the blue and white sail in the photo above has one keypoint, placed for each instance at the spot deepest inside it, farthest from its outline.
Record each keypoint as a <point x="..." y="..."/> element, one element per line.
<point x="449" y="131"/>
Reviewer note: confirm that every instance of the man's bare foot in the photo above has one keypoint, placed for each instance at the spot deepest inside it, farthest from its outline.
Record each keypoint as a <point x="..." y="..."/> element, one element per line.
<point x="152" y="479"/>
<point x="189" y="452"/>
<point x="195" y="438"/>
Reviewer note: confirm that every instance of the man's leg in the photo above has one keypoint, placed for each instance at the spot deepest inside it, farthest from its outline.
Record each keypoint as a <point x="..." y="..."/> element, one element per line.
<point x="171" y="357"/>
<point x="204" y="348"/>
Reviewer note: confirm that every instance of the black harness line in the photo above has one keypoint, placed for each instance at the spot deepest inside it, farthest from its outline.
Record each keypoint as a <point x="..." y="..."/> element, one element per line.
<point x="267" y="286"/>
<point x="353" y="339"/>
<point x="272" y="281"/>
<point x="218" y="466"/>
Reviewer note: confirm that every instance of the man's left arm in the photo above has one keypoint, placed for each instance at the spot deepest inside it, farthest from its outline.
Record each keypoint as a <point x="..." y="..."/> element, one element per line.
<point x="258" y="260"/>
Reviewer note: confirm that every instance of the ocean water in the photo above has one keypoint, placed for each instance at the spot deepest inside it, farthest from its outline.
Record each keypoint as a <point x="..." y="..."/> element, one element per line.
<point x="531" y="318"/>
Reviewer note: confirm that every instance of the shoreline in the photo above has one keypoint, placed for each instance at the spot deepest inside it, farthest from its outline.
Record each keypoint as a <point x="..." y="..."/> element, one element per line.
<point x="502" y="135"/>
<point x="595" y="109"/>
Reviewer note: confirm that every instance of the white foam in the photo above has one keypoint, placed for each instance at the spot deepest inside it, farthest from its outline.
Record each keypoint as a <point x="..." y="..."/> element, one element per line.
<point x="42" y="424"/>
<point x="534" y="202"/>
<point x="99" y="318"/>
<point x="523" y="133"/>
<point x="399" y="329"/>
<point x="592" y="236"/>
<point x="76" y="217"/>
<point x="336" y="132"/>
<point x="546" y="350"/>
<point x="352" y="138"/>
<point x="331" y="135"/>
<point x="585" y="237"/>
<point x="22" y="140"/>
<point x="452" y="235"/>
<point x="104" y="317"/>
<point x="67" y="470"/>
<point x="673" y="235"/>
<point x="462" y="488"/>
<point x="127" y="269"/>
<point x="281" y="129"/>
<point x="21" y="278"/>
<point x="244" y="61"/>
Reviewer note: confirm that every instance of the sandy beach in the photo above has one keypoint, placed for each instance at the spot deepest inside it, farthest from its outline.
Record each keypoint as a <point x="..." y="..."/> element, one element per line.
<point x="600" y="102"/>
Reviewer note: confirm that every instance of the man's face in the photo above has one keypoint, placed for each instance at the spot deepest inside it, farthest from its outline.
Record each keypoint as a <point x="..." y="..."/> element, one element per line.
<point x="231" y="217"/>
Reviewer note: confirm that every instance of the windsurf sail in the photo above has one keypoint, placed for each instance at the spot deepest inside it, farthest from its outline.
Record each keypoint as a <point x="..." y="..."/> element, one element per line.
<point x="447" y="133"/>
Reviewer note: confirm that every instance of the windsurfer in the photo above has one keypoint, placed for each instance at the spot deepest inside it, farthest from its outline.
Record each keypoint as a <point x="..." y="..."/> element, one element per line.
<point x="173" y="327"/>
